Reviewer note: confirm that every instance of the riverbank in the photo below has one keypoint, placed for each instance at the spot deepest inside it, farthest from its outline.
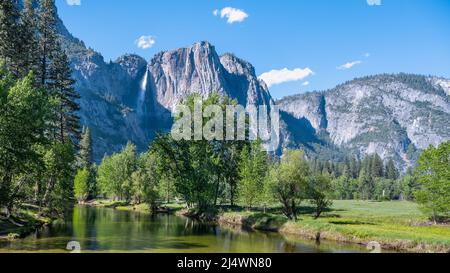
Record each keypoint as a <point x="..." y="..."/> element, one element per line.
<point x="21" y="225"/>
<point x="141" y="208"/>
<point x="396" y="226"/>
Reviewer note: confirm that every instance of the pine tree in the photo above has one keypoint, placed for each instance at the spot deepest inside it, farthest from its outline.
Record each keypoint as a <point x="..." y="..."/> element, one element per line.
<point x="67" y="123"/>
<point x="85" y="161"/>
<point x="9" y="28"/>
<point x="391" y="170"/>
<point x="354" y="168"/>
<point x="366" y="185"/>
<point x="376" y="166"/>
<point x="47" y="23"/>
<point x="86" y="149"/>
<point x="28" y="39"/>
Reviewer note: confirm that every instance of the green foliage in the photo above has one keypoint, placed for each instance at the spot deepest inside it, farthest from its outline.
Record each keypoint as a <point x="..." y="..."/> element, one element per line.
<point x="386" y="189"/>
<point x="288" y="181"/>
<point x="59" y="162"/>
<point x="433" y="173"/>
<point x="345" y="186"/>
<point x="85" y="161"/>
<point x="114" y="174"/>
<point x="376" y="166"/>
<point x="85" y="154"/>
<point x="67" y="122"/>
<point x="408" y="186"/>
<point x="365" y="185"/>
<point x="81" y="185"/>
<point x="201" y="170"/>
<point x="319" y="191"/>
<point x="48" y="43"/>
<point x="391" y="171"/>
<point x="252" y="173"/>
<point x="9" y="28"/>
<point x="23" y="110"/>
<point x="166" y="187"/>
<point x="146" y="181"/>
<point x="38" y="124"/>
<point x="125" y="176"/>
<point x="28" y="40"/>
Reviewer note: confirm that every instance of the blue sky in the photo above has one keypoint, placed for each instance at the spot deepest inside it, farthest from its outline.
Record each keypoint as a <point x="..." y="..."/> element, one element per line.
<point x="296" y="45"/>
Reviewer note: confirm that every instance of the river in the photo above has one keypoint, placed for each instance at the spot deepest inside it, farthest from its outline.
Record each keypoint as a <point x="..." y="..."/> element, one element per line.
<point x="108" y="230"/>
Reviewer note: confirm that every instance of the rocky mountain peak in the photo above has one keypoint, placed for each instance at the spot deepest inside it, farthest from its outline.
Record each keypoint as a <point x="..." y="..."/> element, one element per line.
<point x="132" y="63"/>
<point x="130" y="99"/>
<point x="237" y="66"/>
<point x="394" y="115"/>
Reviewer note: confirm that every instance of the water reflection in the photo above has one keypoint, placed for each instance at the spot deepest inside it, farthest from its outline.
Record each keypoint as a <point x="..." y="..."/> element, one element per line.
<point x="107" y="230"/>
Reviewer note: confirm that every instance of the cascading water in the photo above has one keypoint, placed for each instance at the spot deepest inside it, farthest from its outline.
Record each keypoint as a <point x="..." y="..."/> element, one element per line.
<point x="142" y="93"/>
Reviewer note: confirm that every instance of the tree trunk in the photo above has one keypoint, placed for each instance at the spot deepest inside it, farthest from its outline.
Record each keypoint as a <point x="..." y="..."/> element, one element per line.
<point x="4" y="190"/>
<point x="294" y="210"/>
<point x="37" y="191"/>
<point x="216" y="197"/>
<point x="48" y="191"/>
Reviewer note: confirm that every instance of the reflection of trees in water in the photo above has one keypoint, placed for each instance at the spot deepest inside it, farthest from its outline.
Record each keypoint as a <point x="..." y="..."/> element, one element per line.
<point x="288" y="247"/>
<point x="193" y="227"/>
<point x="114" y="230"/>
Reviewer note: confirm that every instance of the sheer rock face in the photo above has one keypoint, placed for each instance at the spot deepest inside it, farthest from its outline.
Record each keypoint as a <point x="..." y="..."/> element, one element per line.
<point x="391" y="115"/>
<point x="199" y="69"/>
<point x="130" y="99"/>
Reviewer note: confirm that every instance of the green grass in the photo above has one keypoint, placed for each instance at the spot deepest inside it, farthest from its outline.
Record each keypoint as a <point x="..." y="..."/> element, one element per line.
<point x="396" y="225"/>
<point x="119" y="205"/>
<point x="28" y="220"/>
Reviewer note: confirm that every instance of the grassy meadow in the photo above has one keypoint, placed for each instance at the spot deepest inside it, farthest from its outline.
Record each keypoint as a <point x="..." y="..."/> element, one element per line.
<point x="395" y="225"/>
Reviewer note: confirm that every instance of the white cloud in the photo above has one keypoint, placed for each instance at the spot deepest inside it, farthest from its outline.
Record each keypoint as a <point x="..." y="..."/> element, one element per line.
<point x="73" y="2"/>
<point x="275" y="77"/>
<point x="374" y="2"/>
<point x="145" y="42"/>
<point x="305" y="83"/>
<point x="233" y="15"/>
<point x="349" y="65"/>
<point x="367" y="55"/>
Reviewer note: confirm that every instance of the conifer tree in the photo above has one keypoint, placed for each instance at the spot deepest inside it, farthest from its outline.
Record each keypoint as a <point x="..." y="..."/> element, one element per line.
<point x="86" y="161"/>
<point x="391" y="170"/>
<point x="47" y="23"/>
<point x="28" y="39"/>
<point x="9" y="28"/>
<point x="86" y="149"/>
<point x="67" y="121"/>
<point x="376" y="166"/>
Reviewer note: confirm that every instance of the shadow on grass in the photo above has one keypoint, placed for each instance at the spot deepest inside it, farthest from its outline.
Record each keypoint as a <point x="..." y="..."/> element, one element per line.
<point x="352" y="223"/>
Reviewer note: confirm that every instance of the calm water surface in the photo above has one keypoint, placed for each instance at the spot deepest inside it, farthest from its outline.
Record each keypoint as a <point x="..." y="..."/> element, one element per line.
<point x="108" y="230"/>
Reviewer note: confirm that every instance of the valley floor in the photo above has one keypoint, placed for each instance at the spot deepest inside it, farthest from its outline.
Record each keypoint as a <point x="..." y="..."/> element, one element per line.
<point x="396" y="226"/>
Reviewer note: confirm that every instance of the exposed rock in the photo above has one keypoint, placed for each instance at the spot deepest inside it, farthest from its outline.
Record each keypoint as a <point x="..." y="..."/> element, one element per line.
<point x="130" y="99"/>
<point x="391" y="115"/>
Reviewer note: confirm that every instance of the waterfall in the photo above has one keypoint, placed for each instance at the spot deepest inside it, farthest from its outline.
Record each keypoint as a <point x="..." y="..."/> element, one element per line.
<point x="142" y="93"/>
<point x="144" y="82"/>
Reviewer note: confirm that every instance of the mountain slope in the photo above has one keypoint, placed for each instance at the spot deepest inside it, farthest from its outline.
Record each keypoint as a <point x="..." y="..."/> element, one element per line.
<point x="392" y="115"/>
<point x="131" y="99"/>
